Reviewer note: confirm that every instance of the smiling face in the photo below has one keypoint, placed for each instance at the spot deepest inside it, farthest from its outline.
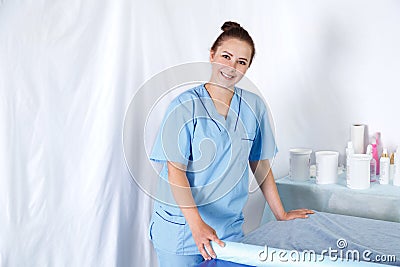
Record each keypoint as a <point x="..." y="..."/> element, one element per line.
<point x="230" y="62"/>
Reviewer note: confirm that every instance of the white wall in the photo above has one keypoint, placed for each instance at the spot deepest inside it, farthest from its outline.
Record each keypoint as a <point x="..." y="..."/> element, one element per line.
<point x="324" y="65"/>
<point x="321" y="65"/>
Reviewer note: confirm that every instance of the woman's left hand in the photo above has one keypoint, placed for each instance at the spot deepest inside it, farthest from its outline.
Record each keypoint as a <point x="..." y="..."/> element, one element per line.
<point x="294" y="214"/>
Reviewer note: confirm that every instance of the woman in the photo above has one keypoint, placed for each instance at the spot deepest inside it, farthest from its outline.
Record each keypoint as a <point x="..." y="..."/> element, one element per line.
<point x="208" y="136"/>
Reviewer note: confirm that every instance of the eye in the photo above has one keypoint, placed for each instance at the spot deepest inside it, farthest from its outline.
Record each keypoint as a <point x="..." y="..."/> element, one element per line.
<point x="226" y="56"/>
<point x="241" y="62"/>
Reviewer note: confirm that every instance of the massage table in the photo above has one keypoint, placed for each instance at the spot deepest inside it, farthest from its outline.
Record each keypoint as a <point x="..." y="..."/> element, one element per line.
<point x="351" y="237"/>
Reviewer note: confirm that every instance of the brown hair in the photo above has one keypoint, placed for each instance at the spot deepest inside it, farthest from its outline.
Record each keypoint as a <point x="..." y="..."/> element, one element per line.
<point x="234" y="30"/>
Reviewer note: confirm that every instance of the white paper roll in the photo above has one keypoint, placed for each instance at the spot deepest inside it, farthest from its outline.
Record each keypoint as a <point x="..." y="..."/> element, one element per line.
<point x="266" y="256"/>
<point x="357" y="138"/>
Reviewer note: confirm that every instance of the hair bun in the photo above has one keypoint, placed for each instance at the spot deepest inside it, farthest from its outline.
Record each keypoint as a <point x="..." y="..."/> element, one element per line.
<point x="228" y="25"/>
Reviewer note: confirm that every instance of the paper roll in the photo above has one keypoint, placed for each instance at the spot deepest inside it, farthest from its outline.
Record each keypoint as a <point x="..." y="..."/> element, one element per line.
<point x="357" y="138"/>
<point x="267" y="256"/>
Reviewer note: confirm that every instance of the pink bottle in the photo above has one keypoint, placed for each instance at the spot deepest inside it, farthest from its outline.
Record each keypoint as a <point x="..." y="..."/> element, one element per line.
<point x="375" y="155"/>
<point x="377" y="141"/>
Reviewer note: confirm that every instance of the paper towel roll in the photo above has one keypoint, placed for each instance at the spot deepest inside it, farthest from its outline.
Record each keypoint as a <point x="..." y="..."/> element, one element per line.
<point x="357" y="138"/>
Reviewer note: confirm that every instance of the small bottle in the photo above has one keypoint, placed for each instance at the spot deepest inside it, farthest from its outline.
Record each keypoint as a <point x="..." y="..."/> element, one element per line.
<point x="375" y="155"/>
<point x="372" y="165"/>
<point x="384" y="168"/>
<point x="396" y="177"/>
<point x="391" y="167"/>
<point x="349" y="153"/>
<point x="378" y="142"/>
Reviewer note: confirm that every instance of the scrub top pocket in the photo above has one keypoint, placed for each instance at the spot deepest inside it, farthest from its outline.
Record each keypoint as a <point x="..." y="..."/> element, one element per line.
<point x="167" y="231"/>
<point x="247" y="142"/>
<point x="249" y="137"/>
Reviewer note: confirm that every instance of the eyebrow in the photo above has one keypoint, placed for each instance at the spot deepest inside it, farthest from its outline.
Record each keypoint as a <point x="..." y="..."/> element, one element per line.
<point x="242" y="58"/>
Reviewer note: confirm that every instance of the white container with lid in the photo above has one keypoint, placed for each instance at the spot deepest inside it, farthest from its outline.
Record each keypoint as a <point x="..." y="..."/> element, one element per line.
<point x="360" y="171"/>
<point x="300" y="164"/>
<point x="327" y="167"/>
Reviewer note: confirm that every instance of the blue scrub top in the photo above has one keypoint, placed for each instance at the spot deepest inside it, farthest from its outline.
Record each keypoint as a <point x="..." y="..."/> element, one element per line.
<point x="216" y="152"/>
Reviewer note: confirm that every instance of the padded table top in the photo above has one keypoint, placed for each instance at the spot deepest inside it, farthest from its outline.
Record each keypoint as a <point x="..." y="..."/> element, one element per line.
<point x="323" y="231"/>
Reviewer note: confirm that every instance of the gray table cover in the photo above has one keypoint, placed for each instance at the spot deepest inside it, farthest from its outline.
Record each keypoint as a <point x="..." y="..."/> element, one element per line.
<point x="322" y="231"/>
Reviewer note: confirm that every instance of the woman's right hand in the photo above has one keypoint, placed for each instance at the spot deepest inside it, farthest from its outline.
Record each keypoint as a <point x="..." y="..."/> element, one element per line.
<point x="202" y="234"/>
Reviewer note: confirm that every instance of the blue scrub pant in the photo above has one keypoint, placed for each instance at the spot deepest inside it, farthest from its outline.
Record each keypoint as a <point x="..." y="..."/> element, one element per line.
<point x="166" y="259"/>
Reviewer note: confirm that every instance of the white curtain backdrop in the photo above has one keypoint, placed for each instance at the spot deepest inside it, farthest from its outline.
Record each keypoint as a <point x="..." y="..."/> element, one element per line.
<point x="68" y="71"/>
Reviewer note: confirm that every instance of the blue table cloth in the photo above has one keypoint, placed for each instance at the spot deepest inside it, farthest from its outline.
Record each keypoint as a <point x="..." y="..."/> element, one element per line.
<point x="323" y="231"/>
<point x="381" y="202"/>
<point x="321" y="240"/>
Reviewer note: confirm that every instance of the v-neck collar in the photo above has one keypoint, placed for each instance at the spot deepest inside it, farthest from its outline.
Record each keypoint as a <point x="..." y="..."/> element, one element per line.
<point x="232" y="106"/>
<point x="233" y="111"/>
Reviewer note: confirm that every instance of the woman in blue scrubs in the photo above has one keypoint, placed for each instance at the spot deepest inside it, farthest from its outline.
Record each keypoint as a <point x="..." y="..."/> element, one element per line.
<point x="209" y="137"/>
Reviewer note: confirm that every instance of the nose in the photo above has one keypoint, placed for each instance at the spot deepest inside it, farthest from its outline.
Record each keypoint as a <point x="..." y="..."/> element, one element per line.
<point x="232" y="65"/>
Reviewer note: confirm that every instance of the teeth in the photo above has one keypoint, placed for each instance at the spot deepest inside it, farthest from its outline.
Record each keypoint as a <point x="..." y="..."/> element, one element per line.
<point x="226" y="75"/>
